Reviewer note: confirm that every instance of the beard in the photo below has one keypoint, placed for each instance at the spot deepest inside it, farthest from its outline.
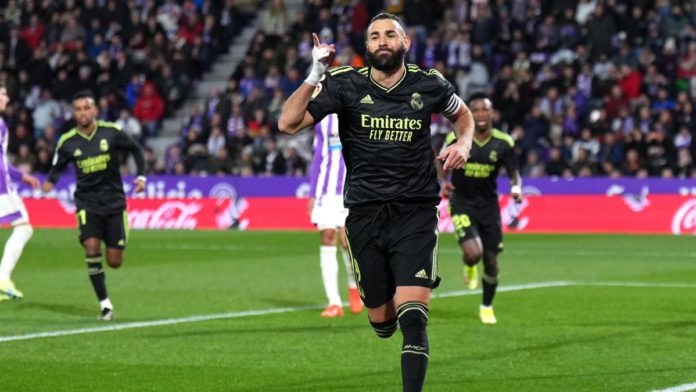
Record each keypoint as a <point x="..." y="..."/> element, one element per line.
<point x="388" y="64"/>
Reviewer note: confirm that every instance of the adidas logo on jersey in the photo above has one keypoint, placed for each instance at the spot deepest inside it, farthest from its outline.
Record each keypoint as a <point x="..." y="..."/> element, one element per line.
<point x="77" y="153"/>
<point x="367" y="100"/>
<point x="421" y="274"/>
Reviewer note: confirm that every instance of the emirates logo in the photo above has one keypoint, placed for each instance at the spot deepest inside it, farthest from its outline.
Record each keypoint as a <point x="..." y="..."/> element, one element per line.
<point x="684" y="220"/>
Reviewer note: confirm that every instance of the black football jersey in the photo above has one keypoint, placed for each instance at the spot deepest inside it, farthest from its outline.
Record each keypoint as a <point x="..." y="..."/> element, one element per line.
<point x="385" y="132"/>
<point x="475" y="183"/>
<point x="97" y="163"/>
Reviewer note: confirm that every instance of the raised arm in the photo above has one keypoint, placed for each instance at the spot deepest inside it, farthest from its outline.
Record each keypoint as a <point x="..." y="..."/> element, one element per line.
<point x="294" y="117"/>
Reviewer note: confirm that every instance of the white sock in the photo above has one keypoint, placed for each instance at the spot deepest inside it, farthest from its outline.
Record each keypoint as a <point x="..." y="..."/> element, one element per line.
<point x="349" y="268"/>
<point x="329" y="273"/>
<point x="106" y="303"/>
<point x="13" y="249"/>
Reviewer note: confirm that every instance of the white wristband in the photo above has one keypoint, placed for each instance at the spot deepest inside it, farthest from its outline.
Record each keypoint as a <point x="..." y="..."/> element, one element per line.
<point x="516" y="189"/>
<point x="318" y="67"/>
<point x="313" y="79"/>
<point x="141" y="178"/>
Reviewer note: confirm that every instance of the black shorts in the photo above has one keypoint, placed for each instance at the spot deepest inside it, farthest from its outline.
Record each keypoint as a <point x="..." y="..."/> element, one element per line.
<point x="391" y="245"/>
<point x="112" y="228"/>
<point x="470" y="222"/>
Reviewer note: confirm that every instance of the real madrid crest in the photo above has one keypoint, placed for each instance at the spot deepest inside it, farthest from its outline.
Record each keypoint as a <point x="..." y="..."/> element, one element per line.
<point x="416" y="101"/>
<point x="317" y="89"/>
<point x="494" y="156"/>
<point x="104" y="145"/>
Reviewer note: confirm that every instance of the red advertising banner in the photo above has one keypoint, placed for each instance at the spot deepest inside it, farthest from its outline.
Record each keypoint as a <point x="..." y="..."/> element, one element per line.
<point x="142" y="213"/>
<point x="665" y="214"/>
<point x="640" y="214"/>
<point x="274" y="213"/>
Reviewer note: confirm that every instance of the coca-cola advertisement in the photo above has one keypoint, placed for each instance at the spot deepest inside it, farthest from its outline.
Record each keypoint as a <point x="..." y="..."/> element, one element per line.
<point x="183" y="214"/>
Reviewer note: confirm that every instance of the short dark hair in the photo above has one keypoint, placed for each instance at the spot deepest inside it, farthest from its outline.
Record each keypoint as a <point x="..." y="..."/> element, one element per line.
<point x="476" y="96"/>
<point x="387" y="15"/>
<point x="83" y="94"/>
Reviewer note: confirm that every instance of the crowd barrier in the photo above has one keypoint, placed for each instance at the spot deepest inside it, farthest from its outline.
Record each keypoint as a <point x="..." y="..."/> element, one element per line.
<point x="595" y="205"/>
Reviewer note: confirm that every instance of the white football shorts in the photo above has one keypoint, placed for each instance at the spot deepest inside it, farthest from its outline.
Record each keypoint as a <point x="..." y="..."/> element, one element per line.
<point x="329" y="212"/>
<point x="12" y="209"/>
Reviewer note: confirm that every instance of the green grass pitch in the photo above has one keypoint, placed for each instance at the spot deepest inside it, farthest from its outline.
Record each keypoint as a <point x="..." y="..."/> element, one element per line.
<point x="584" y="313"/>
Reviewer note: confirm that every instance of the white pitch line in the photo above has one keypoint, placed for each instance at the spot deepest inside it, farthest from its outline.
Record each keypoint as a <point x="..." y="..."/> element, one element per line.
<point x="156" y="323"/>
<point x="678" y="388"/>
<point x="639" y="284"/>
<point x="263" y="312"/>
<point x="230" y="315"/>
<point x="517" y="287"/>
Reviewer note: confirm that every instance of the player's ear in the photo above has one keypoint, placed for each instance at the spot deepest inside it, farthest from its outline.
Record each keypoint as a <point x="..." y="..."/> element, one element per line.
<point x="407" y="42"/>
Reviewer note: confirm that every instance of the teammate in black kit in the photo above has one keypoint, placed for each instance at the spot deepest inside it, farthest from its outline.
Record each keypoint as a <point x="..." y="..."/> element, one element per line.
<point x="391" y="183"/>
<point x="94" y="147"/>
<point x="474" y="200"/>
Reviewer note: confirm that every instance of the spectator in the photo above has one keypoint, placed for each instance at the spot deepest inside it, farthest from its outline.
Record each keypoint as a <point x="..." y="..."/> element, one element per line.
<point x="72" y="35"/>
<point x="274" y="161"/>
<point x="216" y="141"/>
<point x="275" y="20"/>
<point x="587" y="143"/>
<point x="25" y="160"/>
<point x="43" y="161"/>
<point x="246" y="162"/>
<point x="555" y="165"/>
<point x="194" y="120"/>
<point x="151" y="165"/>
<point x="149" y="109"/>
<point x="130" y="125"/>
<point x="18" y="51"/>
<point x="296" y="165"/>
<point x="22" y="137"/>
<point x="46" y="113"/>
<point x="236" y="122"/>
<point x="632" y="163"/>
<point x="533" y="167"/>
<point x="659" y="153"/>
<point x="611" y="150"/>
<point x="220" y="162"/>
<point x="33" y="32"/>
<point x="47" y="141"/>
<point x="684" y="167"/>
<point x="536" y="130"/>
<point x="583" y="166"/>
<point x="173" y="157"/>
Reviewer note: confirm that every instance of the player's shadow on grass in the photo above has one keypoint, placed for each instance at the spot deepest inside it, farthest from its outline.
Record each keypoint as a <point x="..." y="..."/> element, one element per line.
<point x="70" y="310"/>
<point x="551" y="344"/>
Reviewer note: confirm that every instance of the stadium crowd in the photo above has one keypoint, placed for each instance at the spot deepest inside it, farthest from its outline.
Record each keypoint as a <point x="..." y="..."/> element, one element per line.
<point x="139" y="58"/>
<point x="586" y="88"/>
